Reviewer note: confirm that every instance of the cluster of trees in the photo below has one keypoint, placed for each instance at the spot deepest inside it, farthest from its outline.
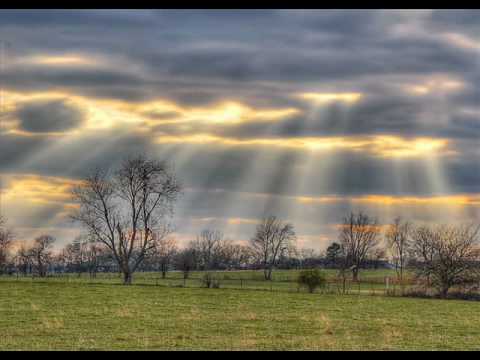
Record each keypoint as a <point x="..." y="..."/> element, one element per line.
<point x="35" y="258"/>
<point x="125" y="217"/>
<point x="443" y="255"/>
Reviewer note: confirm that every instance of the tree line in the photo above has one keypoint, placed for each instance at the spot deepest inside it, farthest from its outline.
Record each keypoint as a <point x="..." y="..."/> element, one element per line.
<point x="125" y="216"/>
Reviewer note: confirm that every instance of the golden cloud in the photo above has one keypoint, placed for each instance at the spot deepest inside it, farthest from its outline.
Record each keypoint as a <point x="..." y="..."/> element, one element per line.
<point x="37" y="189"/>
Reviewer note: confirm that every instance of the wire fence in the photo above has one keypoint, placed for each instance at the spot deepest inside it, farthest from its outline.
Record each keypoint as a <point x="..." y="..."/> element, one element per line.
<point x="382" y="285"/>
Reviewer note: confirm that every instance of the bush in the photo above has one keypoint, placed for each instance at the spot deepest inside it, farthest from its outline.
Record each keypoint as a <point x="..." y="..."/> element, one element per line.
<point x="210" y="281"/>
<point x="311" y="279"/>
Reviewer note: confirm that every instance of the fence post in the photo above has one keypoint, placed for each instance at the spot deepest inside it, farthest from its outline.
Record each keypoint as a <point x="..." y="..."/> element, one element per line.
<point x="387" y="284"/>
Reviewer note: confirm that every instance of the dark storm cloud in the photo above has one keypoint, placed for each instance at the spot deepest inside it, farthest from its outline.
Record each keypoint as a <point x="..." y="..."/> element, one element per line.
<point x="293" y="46"/>
<point x="41" y="78"/>
<point x="14" y="150"/>
<point x="54" y="17"/>
<point x="49" y="116"/>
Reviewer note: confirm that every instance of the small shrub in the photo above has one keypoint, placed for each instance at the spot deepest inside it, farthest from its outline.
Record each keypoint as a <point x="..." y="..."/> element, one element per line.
<point x="311" y="279"/>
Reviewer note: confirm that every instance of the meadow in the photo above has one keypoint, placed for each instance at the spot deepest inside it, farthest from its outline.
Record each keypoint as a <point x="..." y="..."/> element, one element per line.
<point x="75" y="313"/>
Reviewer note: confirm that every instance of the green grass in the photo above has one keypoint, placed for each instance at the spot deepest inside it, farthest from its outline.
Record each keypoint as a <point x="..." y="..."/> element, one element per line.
<point x="61" y="315"/>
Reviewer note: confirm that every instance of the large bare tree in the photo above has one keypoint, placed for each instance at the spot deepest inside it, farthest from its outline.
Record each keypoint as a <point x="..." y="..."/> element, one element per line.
<point x="359" y="236"/>
<point x="397" y="236"/>
<point x="272" y="239"/>
<point x="449" y="255"/>
<point x="125" y="209"/>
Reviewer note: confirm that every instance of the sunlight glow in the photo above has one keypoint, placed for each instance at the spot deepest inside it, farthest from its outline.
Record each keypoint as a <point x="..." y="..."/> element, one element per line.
<point x="239" y="221"/>
<point x="61" y="60"/>
<point x="436" y="84"/>
<point x="325" y="98"/>
<point x="226" y="113"/>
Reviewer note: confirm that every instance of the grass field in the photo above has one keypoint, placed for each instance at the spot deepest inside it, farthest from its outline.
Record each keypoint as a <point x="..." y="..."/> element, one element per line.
<point x="66" y="315"/>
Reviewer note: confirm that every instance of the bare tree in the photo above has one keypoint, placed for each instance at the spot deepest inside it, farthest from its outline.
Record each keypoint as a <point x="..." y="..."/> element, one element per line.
<point x="93" y="254"/>
<point x="244" y="256"/>
<point x="231" y="255"/>
<point x="6" y="240"/>
<point x="185" y="262"/>
<point x="82" y="255"/>
<point x="165" y="251"/>
<point x="73" y="257"/>
<point x="397" y="236"/>
<point x="208" y="248"/>
<point x="358" y="237"/>
<point x="41" y="254"/>
<point x="422" y="250"/>
<point x="272" y="239"/>
<point x="23" y="260"/>
<point x="125" y="210"/>
<point x="448" y="254"/>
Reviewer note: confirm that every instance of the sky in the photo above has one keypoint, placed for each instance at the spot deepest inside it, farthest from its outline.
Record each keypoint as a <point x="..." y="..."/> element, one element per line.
<point x="302" y="114"/>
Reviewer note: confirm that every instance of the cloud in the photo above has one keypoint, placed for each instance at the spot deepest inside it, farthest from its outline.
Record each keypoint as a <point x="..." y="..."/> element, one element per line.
<point x="49" y="116"/>
<point x="390" y="114"/>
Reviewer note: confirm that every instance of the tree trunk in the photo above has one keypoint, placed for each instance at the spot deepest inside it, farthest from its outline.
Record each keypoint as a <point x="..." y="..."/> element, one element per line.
<point x="127" y="278"/>
<point x="355" y="274"/>
<point x="268" y="274"/>
<point x="444" y="291"/>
